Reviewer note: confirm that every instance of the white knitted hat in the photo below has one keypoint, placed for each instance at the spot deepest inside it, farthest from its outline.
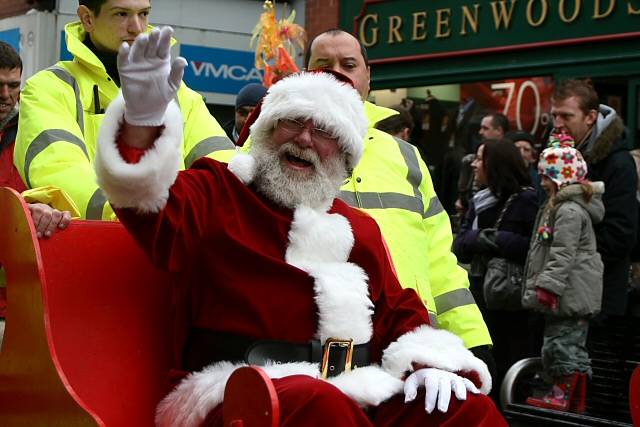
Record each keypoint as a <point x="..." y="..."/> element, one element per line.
<point x="562" y="163"/>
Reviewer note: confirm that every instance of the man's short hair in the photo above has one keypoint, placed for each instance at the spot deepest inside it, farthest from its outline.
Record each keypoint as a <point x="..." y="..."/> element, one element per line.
<point x="397" y="122"/>
<point x="93" y="5"/>
<point x="9" y="58"/>
<point x="334" y="32"/>
<point x="499" y="120"/>
<point x="581" y="89"/>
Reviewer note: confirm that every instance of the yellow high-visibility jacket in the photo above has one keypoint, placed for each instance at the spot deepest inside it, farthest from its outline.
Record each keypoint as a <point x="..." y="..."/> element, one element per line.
<point x="393" y="185"/>
<point x="61" y="109"/>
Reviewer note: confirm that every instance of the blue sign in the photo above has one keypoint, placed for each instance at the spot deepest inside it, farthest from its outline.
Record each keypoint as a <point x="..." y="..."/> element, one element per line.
<point x="65" y="55"/>
<point x="11" y="37"/>
<point x="212" y="69"/>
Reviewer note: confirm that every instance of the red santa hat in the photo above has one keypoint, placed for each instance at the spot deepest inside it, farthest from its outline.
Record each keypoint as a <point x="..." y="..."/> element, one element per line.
<point x="328" y="99"/>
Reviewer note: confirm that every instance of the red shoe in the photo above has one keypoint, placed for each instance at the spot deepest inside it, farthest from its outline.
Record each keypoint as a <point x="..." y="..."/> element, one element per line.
<point x="579" y="402"/>
<point x="559" y="397"/>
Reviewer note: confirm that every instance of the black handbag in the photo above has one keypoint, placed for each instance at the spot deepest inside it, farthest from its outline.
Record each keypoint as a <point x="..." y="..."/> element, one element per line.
<point x="502" y="284"/>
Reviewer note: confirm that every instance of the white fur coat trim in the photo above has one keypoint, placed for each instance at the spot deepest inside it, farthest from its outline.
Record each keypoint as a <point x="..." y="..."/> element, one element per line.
<point x="189" y="403"/>
<point x="320" y="244"/>
<point x="243" y="166"/>
<point x="435" y="348"/>
<point x="144" y="185"/>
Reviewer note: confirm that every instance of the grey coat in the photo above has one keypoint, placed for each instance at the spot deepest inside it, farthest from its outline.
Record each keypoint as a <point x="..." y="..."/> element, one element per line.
<point x="567" y="264"/>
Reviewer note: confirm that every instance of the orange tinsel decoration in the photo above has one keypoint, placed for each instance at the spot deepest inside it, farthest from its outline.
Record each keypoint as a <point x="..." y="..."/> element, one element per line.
<point x="275" y="43"/>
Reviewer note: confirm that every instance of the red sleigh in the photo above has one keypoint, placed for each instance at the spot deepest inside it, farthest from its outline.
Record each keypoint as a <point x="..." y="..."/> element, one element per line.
<point x="88" y="331"/>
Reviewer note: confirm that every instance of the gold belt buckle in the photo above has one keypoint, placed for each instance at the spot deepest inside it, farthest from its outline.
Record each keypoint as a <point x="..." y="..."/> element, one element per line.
<point x="335" y="342"/>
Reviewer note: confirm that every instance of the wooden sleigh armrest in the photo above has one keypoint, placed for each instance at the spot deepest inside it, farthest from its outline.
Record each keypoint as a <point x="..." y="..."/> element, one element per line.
<point x="88" y="337"/>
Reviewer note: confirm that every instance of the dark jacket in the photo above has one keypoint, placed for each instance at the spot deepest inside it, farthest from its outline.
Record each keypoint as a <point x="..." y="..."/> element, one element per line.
<point x="9" y="176"/>
<point x="514" y="232"/>
<point x="609" y="161"/>
<point x="230" y="130"/>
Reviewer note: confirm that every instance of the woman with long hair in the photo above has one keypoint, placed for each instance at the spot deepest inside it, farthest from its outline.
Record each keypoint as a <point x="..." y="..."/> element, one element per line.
<point x="506" y="193"/>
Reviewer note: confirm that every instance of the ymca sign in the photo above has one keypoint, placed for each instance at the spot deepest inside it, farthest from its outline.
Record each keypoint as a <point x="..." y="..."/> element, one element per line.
<point x="11" y="37"/>
<point x="212" y="69"/>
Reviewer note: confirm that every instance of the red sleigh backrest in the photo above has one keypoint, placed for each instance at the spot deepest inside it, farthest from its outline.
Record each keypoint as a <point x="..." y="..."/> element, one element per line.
<point x="88" y="330"/>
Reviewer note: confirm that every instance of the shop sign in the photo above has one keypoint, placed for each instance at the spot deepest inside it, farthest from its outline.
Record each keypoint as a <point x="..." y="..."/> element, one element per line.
<point x="526" y="101"/>
<point x="397" y="30"/>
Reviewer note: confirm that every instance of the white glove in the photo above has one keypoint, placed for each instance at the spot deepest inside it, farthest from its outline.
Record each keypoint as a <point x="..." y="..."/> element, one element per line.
<point x="148" y="79"/>
<point x="438" y="384"/>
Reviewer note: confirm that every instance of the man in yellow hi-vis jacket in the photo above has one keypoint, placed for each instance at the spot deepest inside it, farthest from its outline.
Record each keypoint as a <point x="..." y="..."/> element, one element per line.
<point x="393" y="185"/>
<point x="62" y="107"/>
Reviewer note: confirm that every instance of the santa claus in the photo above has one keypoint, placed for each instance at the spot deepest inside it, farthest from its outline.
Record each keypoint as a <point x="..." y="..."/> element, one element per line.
<point x="270" y="267"/>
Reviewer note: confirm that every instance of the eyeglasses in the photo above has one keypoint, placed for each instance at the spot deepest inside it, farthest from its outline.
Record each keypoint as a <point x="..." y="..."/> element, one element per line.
<point x="295" y="127"/>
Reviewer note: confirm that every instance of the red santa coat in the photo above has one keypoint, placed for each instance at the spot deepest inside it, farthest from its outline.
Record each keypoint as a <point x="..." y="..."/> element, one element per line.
<point x="228" y="244"/>
<point x="252" y="268"/>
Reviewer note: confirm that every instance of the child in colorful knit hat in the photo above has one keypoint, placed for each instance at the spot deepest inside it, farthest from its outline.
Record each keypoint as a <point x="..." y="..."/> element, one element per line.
<point x="563" y="277"/>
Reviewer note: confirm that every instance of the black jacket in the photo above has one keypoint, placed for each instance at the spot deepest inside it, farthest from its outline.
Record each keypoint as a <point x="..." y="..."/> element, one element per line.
<point x="514" y="233"/>
<point x="229" y="128"/>
<point x="608" y="159"/>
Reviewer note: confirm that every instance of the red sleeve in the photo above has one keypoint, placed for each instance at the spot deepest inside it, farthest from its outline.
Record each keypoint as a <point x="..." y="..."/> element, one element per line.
<point x="172" y="236"/>
<point x="132" y="154"/>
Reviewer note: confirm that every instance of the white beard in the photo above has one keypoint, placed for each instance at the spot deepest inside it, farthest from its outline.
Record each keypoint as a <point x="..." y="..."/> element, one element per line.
<point x="290" y="188"/>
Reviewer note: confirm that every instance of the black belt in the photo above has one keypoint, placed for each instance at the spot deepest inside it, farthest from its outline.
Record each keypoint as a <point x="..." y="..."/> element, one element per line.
<point x="335" y="356"/>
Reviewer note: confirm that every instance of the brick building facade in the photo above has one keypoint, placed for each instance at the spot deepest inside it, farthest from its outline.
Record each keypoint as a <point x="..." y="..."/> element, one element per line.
<point x="13" y="7"/>
<point x="10" y="8"/>
<point x="321" y="15"/>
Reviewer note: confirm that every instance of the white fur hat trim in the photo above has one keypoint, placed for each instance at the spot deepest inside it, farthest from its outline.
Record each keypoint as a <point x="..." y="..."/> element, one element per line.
<point x="322" y="98"/>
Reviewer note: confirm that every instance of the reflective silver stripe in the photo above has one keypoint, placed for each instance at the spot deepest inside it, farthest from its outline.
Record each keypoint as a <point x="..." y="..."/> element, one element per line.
<point x="383" y="201"/>
<point x="414" y="175"/>
<point x="370" y="200"/>
<point x="43" y="140"/>
<point x="435" y="207"/>
<point x="453" y="299"/>
<point x="349" y="197"/>
<point x="206" y="146"/>
<point x="433" y="318"/>
<point x="66" y="77"/>
<point x="96" y="205"/>
<point x="415" y="204"/>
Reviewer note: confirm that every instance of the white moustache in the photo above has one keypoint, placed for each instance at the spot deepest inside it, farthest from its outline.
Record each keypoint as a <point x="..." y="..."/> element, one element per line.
<point x="306" y="154"/>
